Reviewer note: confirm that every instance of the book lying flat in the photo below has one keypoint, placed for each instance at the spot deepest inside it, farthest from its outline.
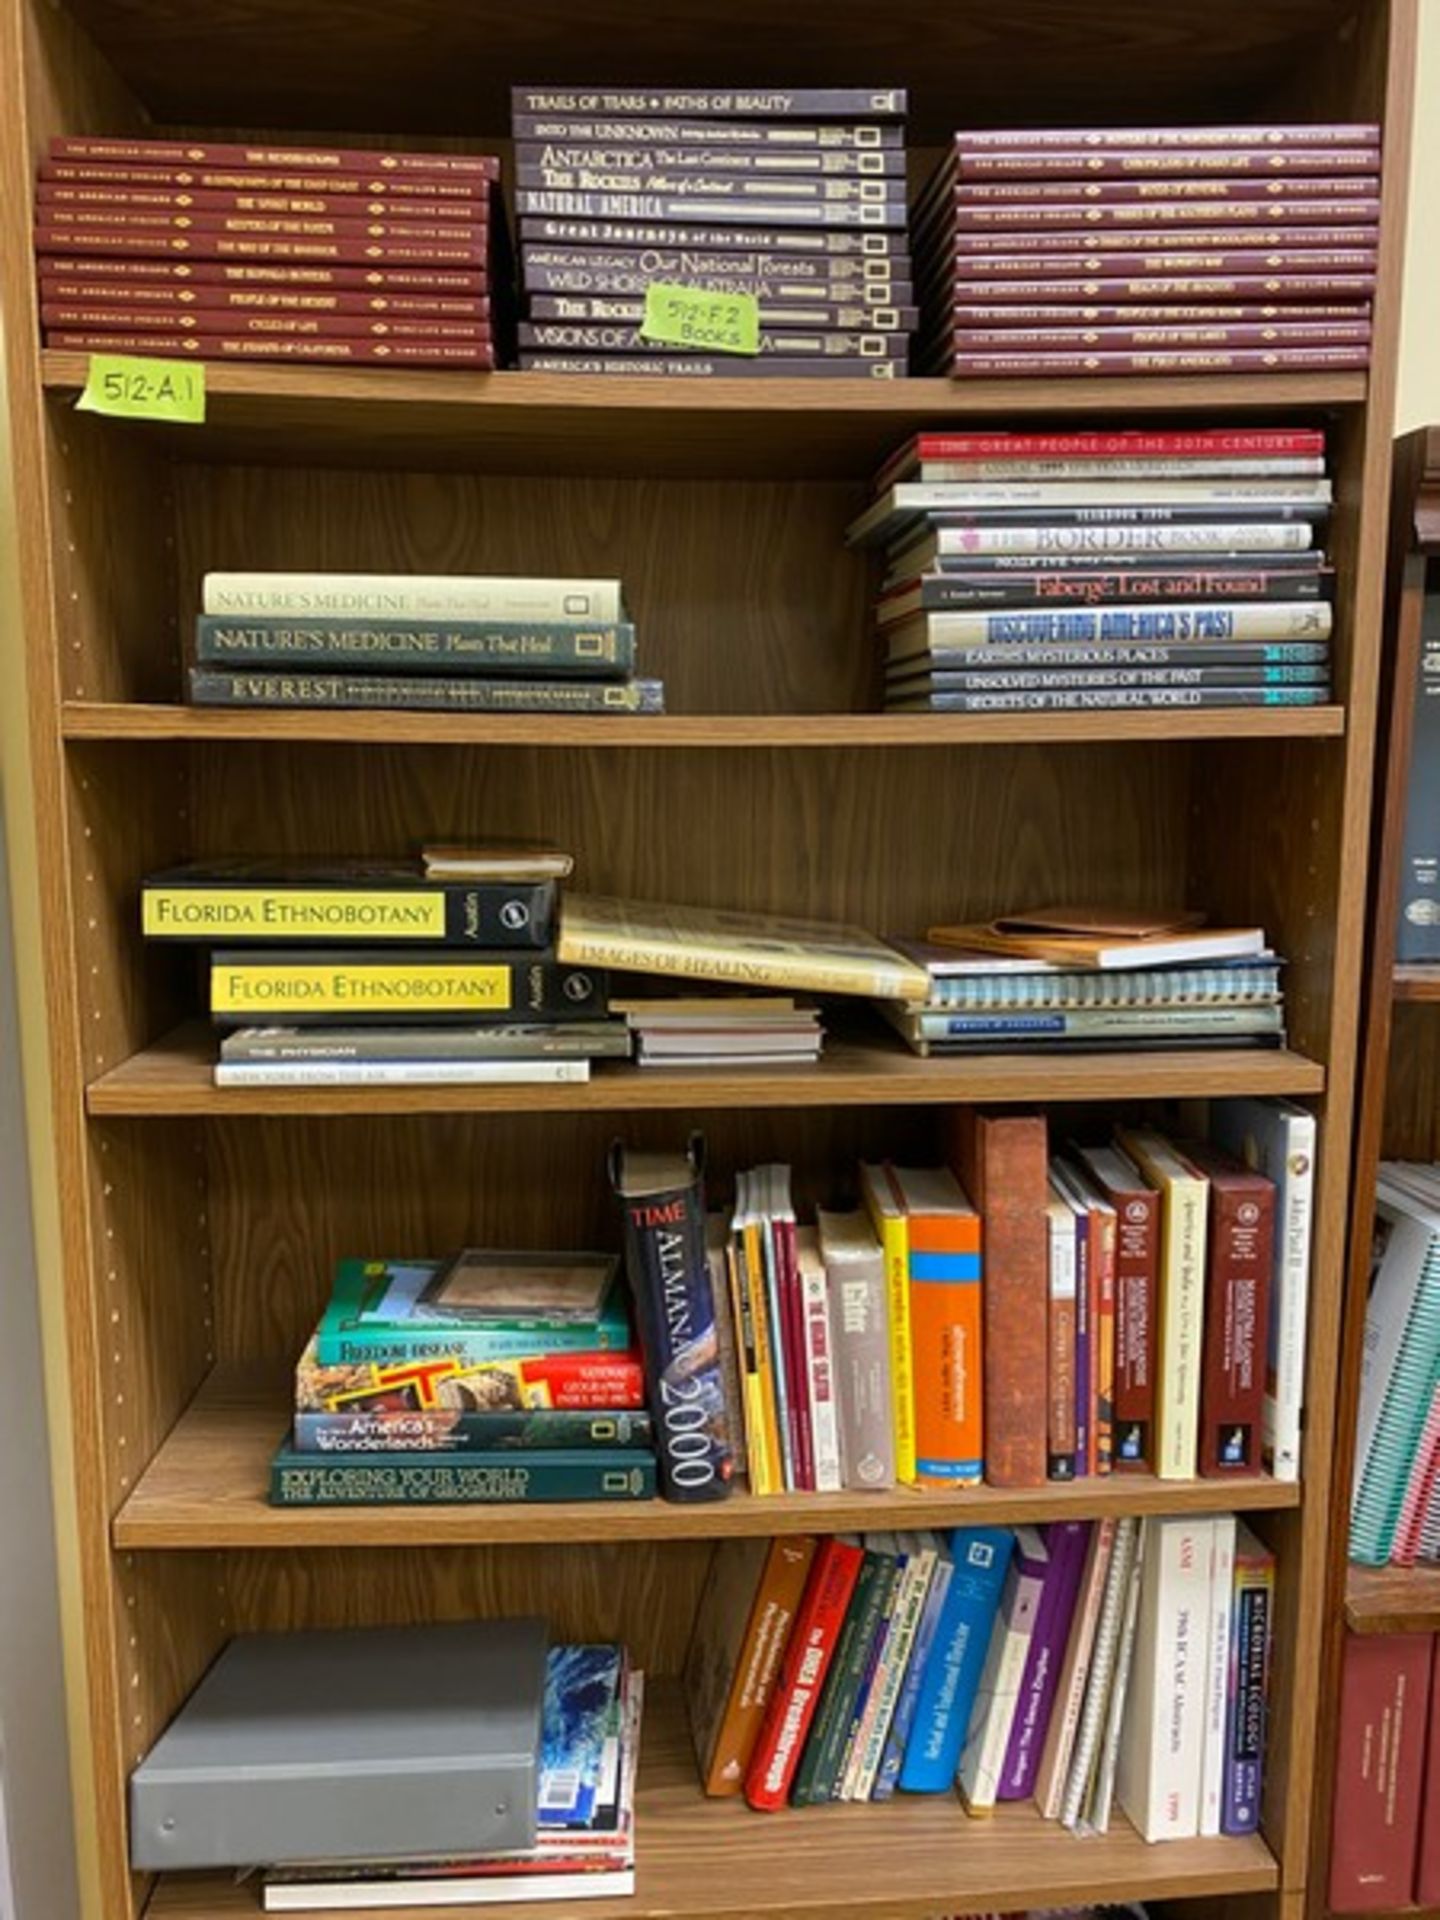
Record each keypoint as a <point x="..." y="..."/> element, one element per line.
<point x="1085" y="937"/>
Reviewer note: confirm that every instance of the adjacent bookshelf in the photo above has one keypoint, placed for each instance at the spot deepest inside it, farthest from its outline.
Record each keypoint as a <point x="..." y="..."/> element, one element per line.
<point x="193" y="1231"/>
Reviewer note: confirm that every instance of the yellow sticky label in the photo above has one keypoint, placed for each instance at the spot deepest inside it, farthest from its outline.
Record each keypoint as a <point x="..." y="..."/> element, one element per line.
<point x="270" y="992"/>
<point x="290" y="913"/>
<point x="133" y="387"/>
<point x="692" y="317"/>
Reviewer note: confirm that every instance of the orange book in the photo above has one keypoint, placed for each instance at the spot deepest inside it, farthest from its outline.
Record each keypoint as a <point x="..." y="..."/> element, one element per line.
<point x="945" y="1325"/>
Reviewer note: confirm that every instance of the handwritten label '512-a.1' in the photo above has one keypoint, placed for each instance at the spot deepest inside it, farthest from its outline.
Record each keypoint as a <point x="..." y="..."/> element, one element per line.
<point x="136" y="388"/>
<point x="691" y="317"/>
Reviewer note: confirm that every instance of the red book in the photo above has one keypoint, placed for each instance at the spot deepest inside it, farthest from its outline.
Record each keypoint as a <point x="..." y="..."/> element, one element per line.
<point x="1206" y="442"/>
<point x="1137" y="1267"/>
<point x="1209" y="255"/>
<point x="1222" y="191"/>
<point x="291" y="276"/>
<point x="255" y="246"/>
<point x="1279" y="333"/>
<point x="1138" y="163"/>
<point x="1184" y="285"/>
<point x="1240" y="1253"/>
<point x="1384" y="1702"/>
<point x="61" y="202"/>
<point x="1272" y="144"/>
<point x="1306" y="240"/>
<point x="410" y="353"/>
<point x="125" y="301"/>
<point x="1179" y="215"/>
<point x="1134" y="314"/>
<point x="194" y="153"/>
<point x="802" y="1674"/>
<point x="1427" y="1872"/>
<point x="204" y="324"/>
<point x="1001" y="1160"/>
<point x="1011" y="366"/>
<point x="324" y="226"/>
<point x="261" y="180"/>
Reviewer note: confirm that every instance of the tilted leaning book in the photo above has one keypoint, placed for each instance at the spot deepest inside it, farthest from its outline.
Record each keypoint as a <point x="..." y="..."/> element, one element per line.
<point x="980" y="1557"/>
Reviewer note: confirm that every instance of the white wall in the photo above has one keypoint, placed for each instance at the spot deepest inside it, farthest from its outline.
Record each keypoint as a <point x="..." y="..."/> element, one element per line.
<point x="1418" y="401"/>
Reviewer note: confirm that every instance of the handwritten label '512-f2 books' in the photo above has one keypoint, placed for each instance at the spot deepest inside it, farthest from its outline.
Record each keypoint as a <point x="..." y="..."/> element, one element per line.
<point x="692" y="317"/>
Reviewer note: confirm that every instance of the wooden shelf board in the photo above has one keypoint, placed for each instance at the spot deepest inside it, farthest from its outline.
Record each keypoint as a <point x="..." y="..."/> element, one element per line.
<point x="915" y="1856"/>
<point x="99" y="720"/>
<point x="206" y="1487"/>
<point x="1392" y="1599"/>
<point x="543" y="423"/>
<point x="1417" y="982"/>
<point x="174" y="1078"/>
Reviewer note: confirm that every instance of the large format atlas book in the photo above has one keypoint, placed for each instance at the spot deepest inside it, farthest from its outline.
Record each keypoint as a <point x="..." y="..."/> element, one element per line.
<point x="464" y="1478"/>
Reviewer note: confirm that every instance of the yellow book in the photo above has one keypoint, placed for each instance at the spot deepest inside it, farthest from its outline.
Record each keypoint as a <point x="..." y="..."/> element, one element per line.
<point x="753" y="949"/>
<point x="1184" y="1203"/>
<point x="751" y="1230"/>
<point x="887" y="1216"/>
<point x="260" y="987"/>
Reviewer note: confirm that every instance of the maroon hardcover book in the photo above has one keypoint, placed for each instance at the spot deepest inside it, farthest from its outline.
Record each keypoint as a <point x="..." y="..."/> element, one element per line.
<point x="1199" y="239"/>
<point x="124" y="299"/>
<point x="263" y="180"/>
<point x="1220" y="191"/>
<point x="1280" y="333"/>
<point x="1279" y="263"/>
<point x="1133" y="162"/>
<point x="206" y="323"/>
<point x="197" y="153"/>
<point x="1165" y="213"/>
<point x="291" y="275"/>
<point x="1427" y="1871"/>
<point x="266" y="226"/>
<point x="1384" y="1699"/>
<point x="411" y="353"/>
<point x="263" y="247"/>
<point x="292" y="206"/>
<point x="1137" y="1283"/>
<point x="1089" y="140"/>
<point x="1240" y="1252"/>
<point x="1001" y="1160"/>
<point x="1287" y="287"/>
<point x="1134" y="314"/>
<point x="999" y="366"/>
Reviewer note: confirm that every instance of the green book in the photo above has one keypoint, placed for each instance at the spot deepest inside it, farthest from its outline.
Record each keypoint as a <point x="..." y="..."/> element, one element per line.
<point x="465" y="1479"/>
<point x="569" y="647"/>
<point x="823" y="1759"/>
<point x="480" y="1306"/>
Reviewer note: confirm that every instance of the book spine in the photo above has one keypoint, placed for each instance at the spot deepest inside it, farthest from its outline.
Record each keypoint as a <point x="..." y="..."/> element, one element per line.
<point x="767" y="1379"/>
<point x="305" y="1480"/>
<point x="200" y="327"/>
<point x="354" y="251"/>
<point x="475" y="1347"/>
<point x="888" y="1777"/>
<point x="426" y="353"/>
<point x="955" y="592"/>
<point x="1248" y="1673"/>
<point x="126" y="302"/>
<point x="778" y="210"/>
<point x="777" y="283"/>
<point x="446" y="913"/>
<point x="894" y="1238"/>
<point x="1182" y="1294"/>
<point x="345" y="1433"/>
<point x="1046" y="314"/>
<point x="818" y="1773"/>
<point x="1157" y="337"/>
<point x="418" y="647"/>
<point x="759" y="1465"/>
<point x="767" y="1634"/>
<point x="720" y="367"/>
<point x="1049" y="366"/>
<point x="669" y="131"/>
<point x="1081" y="699"/>
<point x="1220" y="444"/>
<point x="1083" y="196"/>
<point x="779" y="320"/>
<point x="399" y="596"/>
<point x="1231" y="536"/>
<point x="539" y="162"/>
<point x="400" y="1073"/>
<point x="566" y="336"/>
<point x="1084" y="1345"/>
<point x="1427" y="1868"/>
<point x="376" y="281"/>
<point x="1066" y="1543"/>
<point x="1384" y="1691"/>
<point x="1136" y="1325"/>
<point x="1108" y="1759"/>
<point x="796" y="1355"/>
<point x="630" y="233"/>
<point x="862" y="1716"/>
<point x="1103" y="1236"/>
<point x="1090" y="1730"/>
<point x="862" y="1367"/>
<point x="1219" y="249"/>
<point x="1294" y="1174"/>
<point x="802" y="1674"/>
<point x="780" y="1329"/>
<point x="980" y="1557"/>
<point x="1178" y="283"/>
<point x="74" y="201"/>
<point x="1237" y="1309"/>
<point x="1298" y="620"/>
<point x="670" y="1282"/>
<point x="821" y="1378"/>
<point x="209" y="688"/>
<point x="1061" y="1433"/>
<point x="729" y="1339"/>
<point x="354" y="185"/>
<point x="727" y="103"/>
<point x="1218" y="1680"/>
<point x="383" y="163"/>
<point x="1185" y="214"/>
<point x="998" y="1696"/>
<point x="1054" y="1767"/>
<point x="1161" y="1758"/>
<point x="946" y="1333"/>
<point x="899" y="1647"/>
<point x="1253" y="161"/>
<point x="353" y="987"/>
<point x="1179" y="144"/>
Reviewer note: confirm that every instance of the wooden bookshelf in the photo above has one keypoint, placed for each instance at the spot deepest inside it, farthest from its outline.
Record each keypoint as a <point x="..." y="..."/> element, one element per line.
<point x="192" y="1231"/>
<point x="1392" y="1599"/>
<point x="1416" y="983"/>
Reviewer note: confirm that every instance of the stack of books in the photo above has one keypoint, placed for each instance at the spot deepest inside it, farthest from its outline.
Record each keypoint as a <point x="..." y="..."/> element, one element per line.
<point x="794" y="200"/>
<point x="738" y="1030"/>
<point x="440" y="971"/>
<point x="1062" y="982"/>
<point x="454" y="643"/>
<point x="490" y="1377"/>
<point x="1395" y="1499"/>
<point x="584" y="1819"/>
<point x="268" y="252"/>
<point x="1151" y="1318"/>
<point x="1053" y="252"/>
<point x="1050" y="572"/>
<point x="1072" y="1665"/>
<point x="1385" y="1824"/>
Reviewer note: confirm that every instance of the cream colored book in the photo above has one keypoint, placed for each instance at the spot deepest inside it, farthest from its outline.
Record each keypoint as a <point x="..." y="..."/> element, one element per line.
<point x="1184" y="1203"/>
<point x="753" y="949"/>
<point x="411" y="596"/>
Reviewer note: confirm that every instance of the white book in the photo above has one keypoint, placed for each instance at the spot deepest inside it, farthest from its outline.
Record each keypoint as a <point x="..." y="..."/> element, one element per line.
<point x="912" y="1592"/>
<point x="1184" y="1204"/>
<point x="1102" y="1670"/>
<point x="997" y="1699"/>
<point x="1054" y="1770"/>
<point x="860" y="1331"/>
<point x="1097" y="1815"/>
<point x="1162" y="1743"/>
<point x="820" y="1381"/>
<point x="1217" y="1674"/>
<point x="411" y="596"/>
<point x="1270" y="536"/>
<point x="400" y="1073"/>
<point x="900" y="505"/>
<point x="471" y="1890"/>
<point x="1278" y="1138"/>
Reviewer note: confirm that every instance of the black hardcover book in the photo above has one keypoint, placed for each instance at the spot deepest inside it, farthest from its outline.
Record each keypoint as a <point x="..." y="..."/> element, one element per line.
<point x="953" y="668"/>
<point x="600" y="129"/>
<point x="567" y="336"/>
<point x="1417" y="936"/>
<point x="469" y="1479"/>
<point x="592" y="310"/>
<point x="507" y="647"/>
<point x="1101" y="587"/>
<point x="714" y="103"/>
<point x="538" y="162"/>
<point x="677" y="232"/>
<point x="724" y="213"/>
<point x="448" y="1431"/>
<point x="1301" y="562"/>
<point x="1204" y="513"/>
<point x="215" y="687"/>
<point x="663" y="1199"/>
<point x="255" y="987"/>
<point x="741" y="269"/>
<point x="362" y="900"/>
<point x="718" y="366"/>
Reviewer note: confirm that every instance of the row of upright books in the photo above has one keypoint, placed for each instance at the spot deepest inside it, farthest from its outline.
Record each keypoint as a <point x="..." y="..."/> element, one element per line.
<point x="1077" y="1665"/>
<point x="1385" y="1824"/>
<point x="1031" y="252"/>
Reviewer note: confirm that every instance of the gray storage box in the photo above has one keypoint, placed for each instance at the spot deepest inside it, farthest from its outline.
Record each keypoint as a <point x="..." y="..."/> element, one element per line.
<point x="362" y="1744"/>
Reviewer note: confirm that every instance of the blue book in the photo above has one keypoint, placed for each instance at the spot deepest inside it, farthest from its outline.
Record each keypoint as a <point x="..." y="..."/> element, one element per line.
<point x="582" y="1698"/>
<point x="979" y="1557"/>
<point x="888" y="1777"/>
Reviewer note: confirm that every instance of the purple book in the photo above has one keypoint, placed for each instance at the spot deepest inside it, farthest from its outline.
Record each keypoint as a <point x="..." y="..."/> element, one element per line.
<point x="1067" y="1542"/>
